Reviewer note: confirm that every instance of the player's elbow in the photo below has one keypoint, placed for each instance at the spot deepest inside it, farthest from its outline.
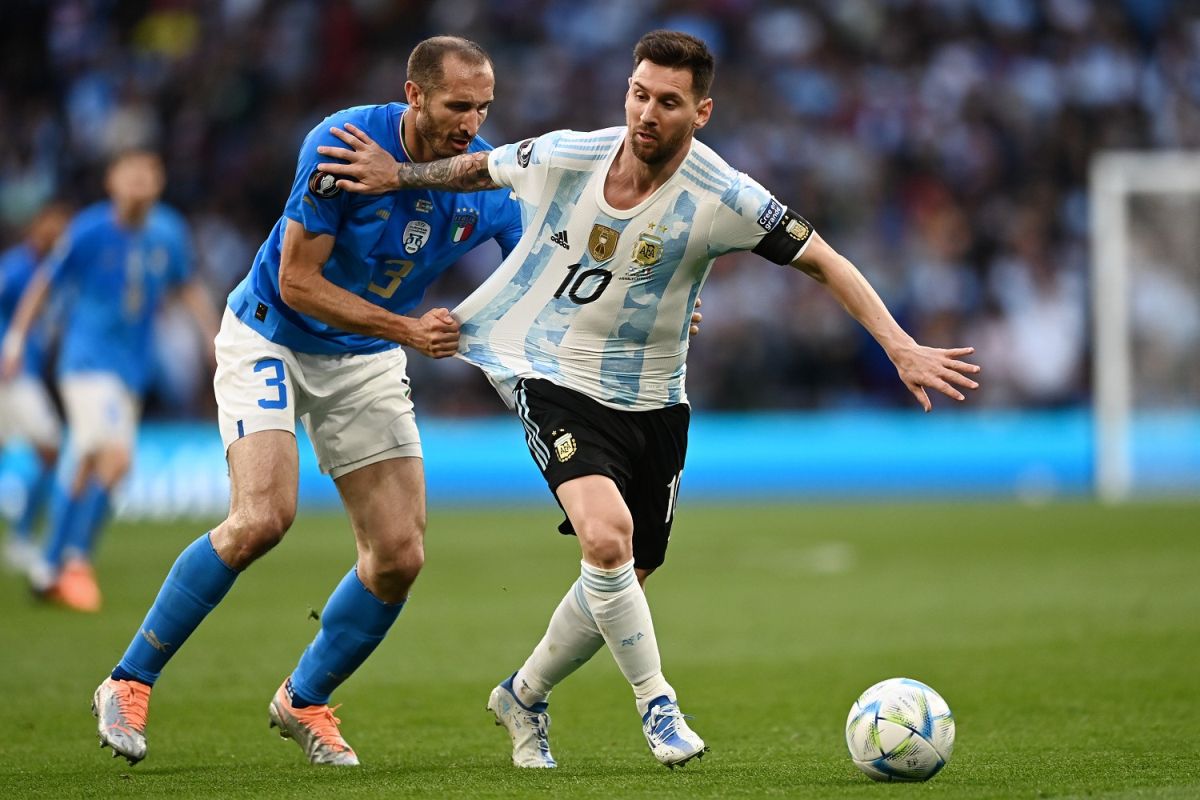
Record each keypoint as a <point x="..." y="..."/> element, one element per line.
<point x="294" y="291"/>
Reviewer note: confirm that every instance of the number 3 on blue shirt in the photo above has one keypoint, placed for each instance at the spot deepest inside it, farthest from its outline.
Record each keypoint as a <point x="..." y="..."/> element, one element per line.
<point x="275" y="382"/>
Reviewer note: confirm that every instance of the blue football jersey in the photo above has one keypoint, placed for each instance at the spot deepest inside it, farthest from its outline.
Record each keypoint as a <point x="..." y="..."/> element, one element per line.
<point x="17" y="265"/>
<point x="387" y="248"/>
<point x="115" y="278"/>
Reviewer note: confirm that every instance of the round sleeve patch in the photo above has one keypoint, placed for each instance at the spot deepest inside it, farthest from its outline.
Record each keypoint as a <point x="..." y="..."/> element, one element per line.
<point x="323" y="185"/>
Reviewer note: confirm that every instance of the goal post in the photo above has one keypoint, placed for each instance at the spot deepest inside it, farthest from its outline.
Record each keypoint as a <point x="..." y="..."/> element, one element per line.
<point x="1131" y="195"/>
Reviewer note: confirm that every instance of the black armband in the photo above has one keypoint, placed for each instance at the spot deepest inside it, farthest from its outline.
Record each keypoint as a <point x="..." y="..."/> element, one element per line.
<point x="785" y="239"/>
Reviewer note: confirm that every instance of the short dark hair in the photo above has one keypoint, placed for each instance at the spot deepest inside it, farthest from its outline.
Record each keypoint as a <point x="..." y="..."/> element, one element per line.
<point x="678" y="50"/>
<point x="427" y="58"/>
<point x="131" y="152"/>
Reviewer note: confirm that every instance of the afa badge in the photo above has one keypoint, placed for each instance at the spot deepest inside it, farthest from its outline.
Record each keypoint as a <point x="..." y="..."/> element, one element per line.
<point x="565" y="447"/>
<point x="799" y="229"/>
<point x="602" y="243"/>
<point x="648" y="250"/>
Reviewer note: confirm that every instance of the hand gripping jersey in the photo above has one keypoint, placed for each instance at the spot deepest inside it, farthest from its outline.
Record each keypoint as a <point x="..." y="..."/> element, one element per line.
<point x="598" y="299"/>
<point x="115" y="278"/>
<point x="387" y="249"/>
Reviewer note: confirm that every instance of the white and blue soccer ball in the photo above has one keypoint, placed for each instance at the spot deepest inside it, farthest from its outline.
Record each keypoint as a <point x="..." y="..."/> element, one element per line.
<point x="900" y="730"/>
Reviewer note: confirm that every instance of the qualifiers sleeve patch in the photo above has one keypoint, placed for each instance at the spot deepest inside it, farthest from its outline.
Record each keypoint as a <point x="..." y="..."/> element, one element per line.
<point x="786" y="239"/>
<point x="323" y="185"/>
<point x="524" y="153"/>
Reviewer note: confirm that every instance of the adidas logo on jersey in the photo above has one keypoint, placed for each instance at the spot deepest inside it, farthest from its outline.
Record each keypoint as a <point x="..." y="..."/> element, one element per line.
<point x="560" y="239"/>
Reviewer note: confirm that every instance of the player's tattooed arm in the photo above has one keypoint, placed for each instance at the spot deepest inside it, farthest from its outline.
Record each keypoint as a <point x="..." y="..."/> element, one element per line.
<point x="465" y="173"/>
<point x="370" y="169"/>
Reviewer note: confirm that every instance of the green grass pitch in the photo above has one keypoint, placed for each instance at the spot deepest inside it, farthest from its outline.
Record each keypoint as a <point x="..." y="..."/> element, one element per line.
<point x="1066" y="639"/>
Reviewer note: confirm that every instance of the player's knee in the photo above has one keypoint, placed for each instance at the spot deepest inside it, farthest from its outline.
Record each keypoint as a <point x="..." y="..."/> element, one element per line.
<point x="109" y="465"/>
<point x="390" y="574"/>
<point x="252" y="532"/>
<point x="606" y="541"/>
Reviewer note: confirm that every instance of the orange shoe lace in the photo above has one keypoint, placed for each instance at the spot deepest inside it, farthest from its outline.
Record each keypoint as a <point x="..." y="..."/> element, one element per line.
<point x="324" y="725"/>
<point x="133" y="698"/>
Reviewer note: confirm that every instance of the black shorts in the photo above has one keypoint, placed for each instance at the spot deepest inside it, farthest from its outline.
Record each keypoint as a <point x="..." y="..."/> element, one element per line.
<point x="571" y="435"/>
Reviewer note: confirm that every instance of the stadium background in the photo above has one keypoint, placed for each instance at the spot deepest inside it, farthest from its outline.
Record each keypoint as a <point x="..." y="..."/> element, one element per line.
<point x="943" y="145"/>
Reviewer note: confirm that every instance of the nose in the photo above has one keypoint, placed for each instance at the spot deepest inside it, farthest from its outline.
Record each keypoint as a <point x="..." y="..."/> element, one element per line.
<point x="472" y="121"/>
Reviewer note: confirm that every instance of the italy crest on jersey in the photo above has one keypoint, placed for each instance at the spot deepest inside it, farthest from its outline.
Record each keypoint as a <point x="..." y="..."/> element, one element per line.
<point x="463" y="224"/>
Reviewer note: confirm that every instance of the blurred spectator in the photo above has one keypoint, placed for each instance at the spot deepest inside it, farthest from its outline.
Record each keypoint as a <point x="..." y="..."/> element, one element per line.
<point x="943" y="144"/>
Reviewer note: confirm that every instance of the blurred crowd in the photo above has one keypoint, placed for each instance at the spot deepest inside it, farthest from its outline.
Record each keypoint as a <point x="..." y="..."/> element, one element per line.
<point x="942" y="145"/>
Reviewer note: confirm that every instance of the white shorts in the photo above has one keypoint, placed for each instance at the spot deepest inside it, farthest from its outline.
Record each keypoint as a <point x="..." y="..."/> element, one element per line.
<point x="101" y="411"/>
<point x="27" y="412"/>
<point x="356" y="408"/>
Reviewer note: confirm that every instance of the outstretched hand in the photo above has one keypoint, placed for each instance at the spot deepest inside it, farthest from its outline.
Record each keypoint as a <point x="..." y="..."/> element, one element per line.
<point x="435" y="334"/>
<point x="369" y="169"/>
<point x="933" y="368"/>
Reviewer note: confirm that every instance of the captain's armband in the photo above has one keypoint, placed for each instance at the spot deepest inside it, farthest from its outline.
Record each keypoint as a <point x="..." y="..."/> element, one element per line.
<point x="785" y="239"/>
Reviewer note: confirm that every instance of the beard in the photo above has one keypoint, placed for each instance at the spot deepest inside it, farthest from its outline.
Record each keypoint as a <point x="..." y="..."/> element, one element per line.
<point x="436" y="140"/>
<point x="659" y="151"/>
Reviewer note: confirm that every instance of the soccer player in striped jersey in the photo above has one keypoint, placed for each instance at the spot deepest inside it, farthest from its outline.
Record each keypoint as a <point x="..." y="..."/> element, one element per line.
<point x="583" y="329"/>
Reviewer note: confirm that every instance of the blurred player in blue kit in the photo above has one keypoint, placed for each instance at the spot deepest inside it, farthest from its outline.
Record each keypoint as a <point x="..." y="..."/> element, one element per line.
<point x="118" y="260"/>
<point x="583" y="329"/>
<point x="26" y="411"/>
<point x="313" y="333"/>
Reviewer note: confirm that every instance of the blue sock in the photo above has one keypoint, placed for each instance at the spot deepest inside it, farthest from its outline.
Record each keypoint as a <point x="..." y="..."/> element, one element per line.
<point x="194" y="586"/>
<point x="64" y="515"/>
<point x="92" y="514"/>
<point x="37" y="491"/>
<point x="353" y="624"/>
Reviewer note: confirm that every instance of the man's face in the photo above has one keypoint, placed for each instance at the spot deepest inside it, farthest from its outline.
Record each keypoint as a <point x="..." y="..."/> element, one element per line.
<point x="47" y="226"/>
<point x="136" y="179"/>
<point x="661" y="112"/>
<point x="449" y="116"/>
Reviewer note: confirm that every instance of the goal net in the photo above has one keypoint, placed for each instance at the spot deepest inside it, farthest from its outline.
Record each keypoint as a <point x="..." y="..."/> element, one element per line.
<point x="1145" y="241"/>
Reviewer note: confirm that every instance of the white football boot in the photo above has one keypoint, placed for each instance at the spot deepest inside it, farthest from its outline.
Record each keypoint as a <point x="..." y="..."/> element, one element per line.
<point x="529" y="727"/>
<point x="671" y="741"/>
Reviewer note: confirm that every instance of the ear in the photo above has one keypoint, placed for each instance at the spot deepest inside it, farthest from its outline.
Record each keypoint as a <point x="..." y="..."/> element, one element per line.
<point x="703" y="113"/>
<point x="414" y="95"/>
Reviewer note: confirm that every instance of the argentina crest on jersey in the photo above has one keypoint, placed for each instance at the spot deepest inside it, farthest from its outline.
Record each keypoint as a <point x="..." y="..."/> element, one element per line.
<point x="463" y="224"/>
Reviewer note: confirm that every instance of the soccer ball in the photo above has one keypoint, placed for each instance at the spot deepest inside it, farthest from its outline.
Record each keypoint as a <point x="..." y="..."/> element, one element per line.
<point x="900" y="730"/>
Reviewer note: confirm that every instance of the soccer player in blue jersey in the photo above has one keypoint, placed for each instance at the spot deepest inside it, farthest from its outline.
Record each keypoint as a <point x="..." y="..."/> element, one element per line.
<point x="312" y="334"/>
<point x="584" y="331"/>
<point x="118" y="260"/>
<point x="26" y="411"/>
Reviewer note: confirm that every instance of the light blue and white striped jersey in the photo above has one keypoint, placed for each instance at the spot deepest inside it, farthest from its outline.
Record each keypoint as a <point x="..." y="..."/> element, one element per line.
<point x="599" y="299"/>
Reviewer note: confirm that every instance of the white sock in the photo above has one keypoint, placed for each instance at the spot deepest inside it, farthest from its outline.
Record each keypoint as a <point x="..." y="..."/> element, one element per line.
<point x="622" y="615"/>
<point x="571" y="639"/>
